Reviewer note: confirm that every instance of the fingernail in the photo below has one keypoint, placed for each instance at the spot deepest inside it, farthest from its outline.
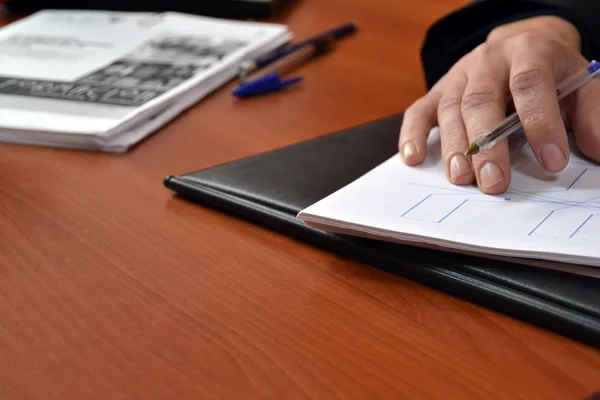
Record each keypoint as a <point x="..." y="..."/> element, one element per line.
<point x="553" y="158"/>
<point x="459" y="166"/>
<point x="408" y="150"/>
<point x="490" y="175"/>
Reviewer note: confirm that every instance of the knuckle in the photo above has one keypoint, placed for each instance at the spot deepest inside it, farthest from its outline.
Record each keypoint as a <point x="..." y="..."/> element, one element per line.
<point x="529" y="39"/>
<point x="540" y="42"/>
<point x="533" y="119"/>
<point x="539" y="127"/>
<point x="476" y="98"/>
<point x="453" y="139"/>
<point x="526" y="78"/>
<point x="483" y="51"/>
<point x="448" y="104"/>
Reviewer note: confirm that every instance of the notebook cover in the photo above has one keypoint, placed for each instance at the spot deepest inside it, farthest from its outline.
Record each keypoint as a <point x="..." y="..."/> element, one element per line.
<point x="271" y="188"/>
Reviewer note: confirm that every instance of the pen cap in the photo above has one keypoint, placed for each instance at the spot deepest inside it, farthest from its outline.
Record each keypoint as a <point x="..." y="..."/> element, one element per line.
<point x="267" y="84"/>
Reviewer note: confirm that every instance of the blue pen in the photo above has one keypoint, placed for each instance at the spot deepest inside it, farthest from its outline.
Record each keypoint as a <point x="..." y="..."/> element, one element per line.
<point x="270" y="80"/>
<point x="249" y="66"/>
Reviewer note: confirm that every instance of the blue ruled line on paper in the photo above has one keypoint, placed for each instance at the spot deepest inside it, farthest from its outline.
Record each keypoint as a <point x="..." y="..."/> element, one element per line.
<point x="576" y="179"/>
<point x="540" y="224"/>
<point x="581" y="226"/>
<point x="416" y="205"/>
<point x="451" y="212"/>
<point x="546" y="227"/>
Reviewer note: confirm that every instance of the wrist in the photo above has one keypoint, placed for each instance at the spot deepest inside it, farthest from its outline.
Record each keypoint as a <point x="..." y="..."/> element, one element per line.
<point x="552" y="25"/>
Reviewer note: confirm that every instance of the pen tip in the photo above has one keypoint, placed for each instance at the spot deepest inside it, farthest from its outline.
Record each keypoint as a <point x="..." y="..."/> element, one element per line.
<point x="473" y="149"/>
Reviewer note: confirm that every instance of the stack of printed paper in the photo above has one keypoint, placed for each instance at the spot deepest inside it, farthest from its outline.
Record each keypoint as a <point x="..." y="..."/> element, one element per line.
<point x="105" y="80"/>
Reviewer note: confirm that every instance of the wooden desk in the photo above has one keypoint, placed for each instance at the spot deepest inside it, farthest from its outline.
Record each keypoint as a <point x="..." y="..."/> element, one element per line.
<point x="110" y="288"/>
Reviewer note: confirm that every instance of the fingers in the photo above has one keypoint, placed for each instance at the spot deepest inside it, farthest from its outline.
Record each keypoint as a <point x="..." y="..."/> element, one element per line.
<point x="483" y="108"/>
<point x="533" y="88"/>
<point x="586" y="119"/>
<point x="453" y="134"/>
<point x="472" y="99"/>
<point x="418" y="120"/>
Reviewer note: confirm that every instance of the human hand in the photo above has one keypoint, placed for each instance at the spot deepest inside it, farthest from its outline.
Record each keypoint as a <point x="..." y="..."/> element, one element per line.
<point x="524" y="60"/>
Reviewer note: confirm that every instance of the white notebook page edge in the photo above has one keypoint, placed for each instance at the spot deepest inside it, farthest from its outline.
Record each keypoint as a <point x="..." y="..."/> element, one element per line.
<point x="542" y="216"/>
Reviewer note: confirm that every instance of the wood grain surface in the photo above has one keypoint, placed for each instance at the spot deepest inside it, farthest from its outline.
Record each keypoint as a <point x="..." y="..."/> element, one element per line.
<point x="111" y="288"/>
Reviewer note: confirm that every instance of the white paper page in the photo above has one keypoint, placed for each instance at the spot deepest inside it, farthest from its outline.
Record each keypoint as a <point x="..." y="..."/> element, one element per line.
<point x="542" y="215"/>
<point x="115" y="66"/>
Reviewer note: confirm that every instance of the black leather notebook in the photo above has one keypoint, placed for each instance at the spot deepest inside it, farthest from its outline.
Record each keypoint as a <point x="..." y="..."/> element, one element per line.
<point x="271" y="188"/>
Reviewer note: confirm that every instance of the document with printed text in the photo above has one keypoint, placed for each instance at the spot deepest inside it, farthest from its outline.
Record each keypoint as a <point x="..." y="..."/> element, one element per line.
<point x="105" y="80"/>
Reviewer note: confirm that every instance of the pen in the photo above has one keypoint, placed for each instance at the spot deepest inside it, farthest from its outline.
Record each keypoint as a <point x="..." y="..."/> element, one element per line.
<point x="249" y="66"/>
<point x="295" y="58"/>
<point x="269" y="79"/>
<point x="512" y="123"/>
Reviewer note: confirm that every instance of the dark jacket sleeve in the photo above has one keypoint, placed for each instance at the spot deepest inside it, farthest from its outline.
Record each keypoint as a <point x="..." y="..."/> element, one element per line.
<point x="457" y="34"/>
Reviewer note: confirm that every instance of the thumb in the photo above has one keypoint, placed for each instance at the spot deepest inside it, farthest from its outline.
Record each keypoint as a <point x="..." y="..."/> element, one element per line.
<point x="585" y="119"/>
